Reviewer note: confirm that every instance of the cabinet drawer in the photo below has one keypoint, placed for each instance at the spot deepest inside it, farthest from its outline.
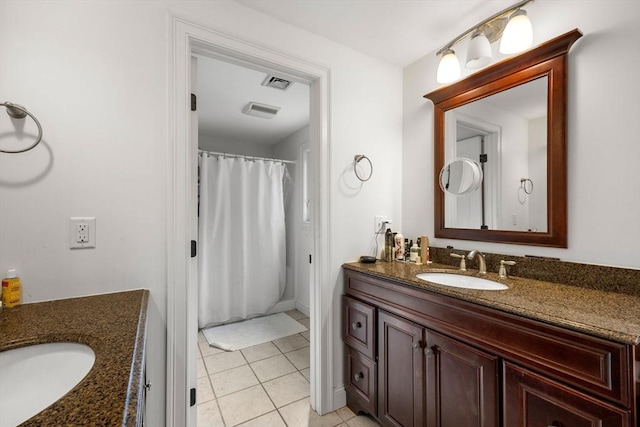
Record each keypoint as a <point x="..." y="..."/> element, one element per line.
<point x="361" y="380"/>
<point x="531" y="400"/>
<point x="359" y="326"/>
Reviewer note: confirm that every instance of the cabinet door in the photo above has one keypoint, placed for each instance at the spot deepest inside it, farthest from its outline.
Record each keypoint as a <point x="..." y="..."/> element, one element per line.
<point x="531" y="400"/>
<point x="462" y="384"/>
<point x="400" y="372"/>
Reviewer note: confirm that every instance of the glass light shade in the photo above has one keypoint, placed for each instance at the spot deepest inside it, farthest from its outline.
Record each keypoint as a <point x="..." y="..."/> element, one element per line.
<point x="479" y="52"/>
<point x="449" y="68"/>
<point x="518" y="35"/>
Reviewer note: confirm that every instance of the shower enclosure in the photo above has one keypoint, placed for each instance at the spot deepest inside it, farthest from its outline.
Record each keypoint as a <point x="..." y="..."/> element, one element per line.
<point x="242" y="263"/>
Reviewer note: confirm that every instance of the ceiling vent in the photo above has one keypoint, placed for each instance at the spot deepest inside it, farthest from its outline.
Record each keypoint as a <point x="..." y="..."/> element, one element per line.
<point x="276" y="82"/>
<point x="260" y="110"/>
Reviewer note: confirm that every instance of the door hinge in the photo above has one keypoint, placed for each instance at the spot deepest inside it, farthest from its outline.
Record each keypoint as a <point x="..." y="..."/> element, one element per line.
<point x="309" y="258"/>
<point x="193" y="102"/>
<point x="192" y="397"/>
<point x="193" y="248"/>
<point x="483" y="158"/>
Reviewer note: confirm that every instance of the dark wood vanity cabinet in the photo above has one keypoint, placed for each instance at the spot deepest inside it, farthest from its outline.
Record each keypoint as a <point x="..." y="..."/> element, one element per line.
<point x="416" y="358"/>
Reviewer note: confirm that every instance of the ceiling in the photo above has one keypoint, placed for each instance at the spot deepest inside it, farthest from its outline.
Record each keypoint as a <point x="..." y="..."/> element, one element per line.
<point x="395" y="31"/>
<point x="224" y="89"/>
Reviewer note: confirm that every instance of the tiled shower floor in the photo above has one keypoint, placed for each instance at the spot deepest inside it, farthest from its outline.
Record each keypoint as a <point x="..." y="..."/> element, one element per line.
<point x="263" y="386"/>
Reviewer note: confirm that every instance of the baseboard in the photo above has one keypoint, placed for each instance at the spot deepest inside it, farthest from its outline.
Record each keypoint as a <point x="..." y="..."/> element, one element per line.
<point x="303" y="308"/>
<point x="339" y="397"/>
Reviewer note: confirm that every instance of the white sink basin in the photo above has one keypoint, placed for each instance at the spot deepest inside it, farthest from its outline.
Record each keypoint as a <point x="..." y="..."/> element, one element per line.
<point x="34" y="377"/>
<point x="460" y="281"/>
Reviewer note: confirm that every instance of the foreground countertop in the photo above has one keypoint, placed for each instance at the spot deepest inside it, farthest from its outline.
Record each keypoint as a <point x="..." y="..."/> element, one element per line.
<point x="114" y="326"/>
<point x="609" y="315"/>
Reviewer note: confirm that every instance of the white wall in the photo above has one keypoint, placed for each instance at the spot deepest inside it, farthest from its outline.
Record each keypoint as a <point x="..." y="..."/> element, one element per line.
<point x="209" y="143"/>
<point x="603" y="148"/>
<point x="95" y="74"/>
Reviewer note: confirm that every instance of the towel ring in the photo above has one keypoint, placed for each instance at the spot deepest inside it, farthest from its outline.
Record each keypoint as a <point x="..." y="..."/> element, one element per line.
<point x="19" y="112"/>
<point x="528" y="189"/>
<point x="356" y="160"/>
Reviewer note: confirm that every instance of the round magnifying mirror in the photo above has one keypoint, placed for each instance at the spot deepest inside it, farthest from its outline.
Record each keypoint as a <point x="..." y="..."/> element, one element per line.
<point x="460" y="176"/>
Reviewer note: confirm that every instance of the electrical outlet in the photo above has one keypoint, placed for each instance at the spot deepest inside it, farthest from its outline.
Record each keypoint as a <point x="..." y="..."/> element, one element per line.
<point x="82" y="232"/>
<point x="380" y="224"/>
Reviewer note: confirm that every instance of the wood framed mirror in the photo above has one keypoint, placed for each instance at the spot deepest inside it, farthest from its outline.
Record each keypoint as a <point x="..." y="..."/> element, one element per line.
<point x="505" y="210"/>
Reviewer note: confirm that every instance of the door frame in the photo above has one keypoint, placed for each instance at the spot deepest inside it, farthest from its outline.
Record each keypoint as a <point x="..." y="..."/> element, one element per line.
<point x="186" y="38"/>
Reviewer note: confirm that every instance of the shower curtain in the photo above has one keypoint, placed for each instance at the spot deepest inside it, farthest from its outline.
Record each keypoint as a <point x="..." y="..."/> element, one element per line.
<point x="242" y="260"/>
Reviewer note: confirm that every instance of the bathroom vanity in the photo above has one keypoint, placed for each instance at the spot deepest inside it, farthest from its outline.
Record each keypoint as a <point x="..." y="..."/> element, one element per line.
<point x="114" y="326"/>
<point x="536" y="354"/>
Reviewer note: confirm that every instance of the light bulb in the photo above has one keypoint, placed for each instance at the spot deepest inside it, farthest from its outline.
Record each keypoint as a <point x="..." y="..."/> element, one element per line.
<point x="518" y="35"/>
<point x="449" y="67"/>
<point x="479" y="53"/>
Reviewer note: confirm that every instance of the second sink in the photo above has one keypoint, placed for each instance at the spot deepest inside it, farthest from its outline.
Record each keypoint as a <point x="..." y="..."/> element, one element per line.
<point x="461" y="281"/>
<point x="36" y="376"/>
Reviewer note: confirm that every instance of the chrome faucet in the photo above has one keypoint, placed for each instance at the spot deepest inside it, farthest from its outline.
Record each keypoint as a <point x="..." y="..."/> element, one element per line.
<point x="482" y="265"/>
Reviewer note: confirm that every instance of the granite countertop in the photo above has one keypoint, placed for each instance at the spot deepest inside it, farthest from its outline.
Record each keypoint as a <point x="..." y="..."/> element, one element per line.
<point x="114" y="326"/>
<point x="609" y="315"/>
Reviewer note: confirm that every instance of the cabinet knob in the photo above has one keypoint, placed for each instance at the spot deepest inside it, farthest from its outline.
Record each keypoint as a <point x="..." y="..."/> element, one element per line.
<point x="356" y="325"/>
<point x="357" y="377"/>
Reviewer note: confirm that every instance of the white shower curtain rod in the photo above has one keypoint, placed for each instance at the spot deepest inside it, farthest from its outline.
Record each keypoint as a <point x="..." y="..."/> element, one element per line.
<point x="240" y="156"/>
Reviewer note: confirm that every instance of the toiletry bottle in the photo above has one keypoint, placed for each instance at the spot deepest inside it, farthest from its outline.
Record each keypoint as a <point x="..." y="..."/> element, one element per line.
<point x="388" y="246"/>
<point x="11" y="289"/>
<point x="399" y="239"/>
<point x="414" y="253"/>
<point x="424" y="249"/>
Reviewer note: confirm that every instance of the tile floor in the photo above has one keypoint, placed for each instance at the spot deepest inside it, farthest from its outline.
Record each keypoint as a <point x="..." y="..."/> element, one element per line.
<point x="263" y="386"/>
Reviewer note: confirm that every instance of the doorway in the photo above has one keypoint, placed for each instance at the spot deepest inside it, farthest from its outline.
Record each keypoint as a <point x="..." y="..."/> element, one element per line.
<point x="252" y="170"/>
<point x="256" y="147"/>
<point x="189" y="39"/>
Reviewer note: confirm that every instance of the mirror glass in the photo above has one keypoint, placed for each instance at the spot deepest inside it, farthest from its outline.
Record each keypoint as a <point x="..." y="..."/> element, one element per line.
<point x="505" y="135"/>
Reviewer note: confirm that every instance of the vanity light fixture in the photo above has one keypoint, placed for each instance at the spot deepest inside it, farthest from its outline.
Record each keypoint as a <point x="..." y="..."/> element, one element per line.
<point x="511" y="26"/>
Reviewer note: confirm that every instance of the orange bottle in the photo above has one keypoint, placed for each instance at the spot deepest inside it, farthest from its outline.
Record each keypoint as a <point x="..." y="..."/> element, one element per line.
<point x="11" y="289"/>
